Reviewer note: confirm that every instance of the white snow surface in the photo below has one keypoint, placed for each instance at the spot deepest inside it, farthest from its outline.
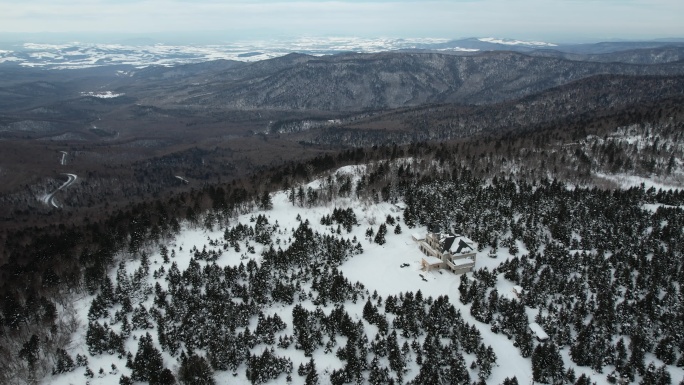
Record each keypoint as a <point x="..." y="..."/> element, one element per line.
<point x="102" y="95"/>
<point x="378" y="268"/>
<point x="627" y="181"/>
<point x="84" y="55"/>
<point x="459" y="49"/>
<point x="76" y="55"/>
<point x="653" y="207"/>
<point x="516" y="42"/>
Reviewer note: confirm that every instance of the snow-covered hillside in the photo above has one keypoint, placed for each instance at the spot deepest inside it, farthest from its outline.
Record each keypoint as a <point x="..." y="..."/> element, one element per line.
<point x="151" y="284"/>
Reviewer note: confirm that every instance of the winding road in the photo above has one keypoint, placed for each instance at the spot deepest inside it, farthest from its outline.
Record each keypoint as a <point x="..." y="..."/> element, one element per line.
<point x="50" y="198"/>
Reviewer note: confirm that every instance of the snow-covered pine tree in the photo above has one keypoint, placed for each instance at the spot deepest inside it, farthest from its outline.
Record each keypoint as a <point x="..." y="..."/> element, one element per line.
<point x="380" y="235"/>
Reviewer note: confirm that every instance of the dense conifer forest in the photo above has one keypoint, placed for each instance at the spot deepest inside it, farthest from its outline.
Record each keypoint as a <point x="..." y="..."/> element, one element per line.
<point x="601" y="269"/>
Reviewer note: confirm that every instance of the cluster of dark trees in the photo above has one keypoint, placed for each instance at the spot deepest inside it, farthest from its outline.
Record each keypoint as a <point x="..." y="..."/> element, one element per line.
<point x="343" y="217"/>
<point x="210" y="308"/>
<point x="600" y="267"/>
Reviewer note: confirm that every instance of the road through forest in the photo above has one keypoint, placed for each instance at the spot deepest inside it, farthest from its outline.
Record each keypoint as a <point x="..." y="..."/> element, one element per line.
<point x="49" y="199"/>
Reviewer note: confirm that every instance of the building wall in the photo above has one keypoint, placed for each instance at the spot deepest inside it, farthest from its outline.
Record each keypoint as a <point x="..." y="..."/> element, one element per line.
<point x="431" y="247"/>
<point x="463" y="269"/>
<point x="435" y="266"/>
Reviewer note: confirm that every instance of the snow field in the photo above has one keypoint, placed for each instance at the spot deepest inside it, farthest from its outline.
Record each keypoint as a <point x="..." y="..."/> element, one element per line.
<point x="378" y="268"/>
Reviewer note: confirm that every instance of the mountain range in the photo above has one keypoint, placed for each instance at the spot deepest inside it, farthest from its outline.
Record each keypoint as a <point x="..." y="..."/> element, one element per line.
<point x="218" y="119"/>
<point x="232" y="191"/>
<point x="145" y="52"/>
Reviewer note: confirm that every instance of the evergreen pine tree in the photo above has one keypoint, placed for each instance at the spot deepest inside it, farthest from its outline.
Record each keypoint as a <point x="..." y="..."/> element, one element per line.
<point x="396" y="358"/>
<point x="30" y="351"/>
<point x="510" y="381"/>
<point x="98" y="308"/>
<point x="458" y="371"/>
<point x="81" y="360"/>
<point x="583" y="380"/>
<point x="64" y="362"/>
<point x="312" y="375"/>
<point x="547" y="364"/>
<point x="525" y="342"/>
<point x="390" y="220"/>
<point x="195" y="370"/>
<point x="665" y="350"/>
<point x="378" y="374"/>
<point x="148" y="364"/>
<point x="485" y="360"/>
<point x="369" y="233"/>
<point x="265" y="202"/>
<point x="97" y="338"/>
<point x="380" y="236"/>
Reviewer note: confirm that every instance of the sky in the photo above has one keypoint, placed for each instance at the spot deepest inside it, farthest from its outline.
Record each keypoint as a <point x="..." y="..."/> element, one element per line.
<point x="545" y="20"/>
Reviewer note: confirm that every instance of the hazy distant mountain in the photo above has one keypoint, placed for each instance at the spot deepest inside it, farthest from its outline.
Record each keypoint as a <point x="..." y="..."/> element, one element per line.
<point x="667" y="54"/>
<point x="328" y="84"/>
<point x="143" y="52"/>
<point x="376" y="81"/>
<point x="118" y="114"/>
<point x="618" y="99"/>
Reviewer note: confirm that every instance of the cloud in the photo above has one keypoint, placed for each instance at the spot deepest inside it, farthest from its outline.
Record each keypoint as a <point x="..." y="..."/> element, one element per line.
<point x="511" y="18"/>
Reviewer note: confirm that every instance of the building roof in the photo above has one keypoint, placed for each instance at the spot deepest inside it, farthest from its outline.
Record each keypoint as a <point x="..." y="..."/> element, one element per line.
<point x="510" y="296"/>
<point x="432" y="260"/>
<point x="462" y="262"/>
<point x="456" y="244"/>
<point x="538" y="331"/>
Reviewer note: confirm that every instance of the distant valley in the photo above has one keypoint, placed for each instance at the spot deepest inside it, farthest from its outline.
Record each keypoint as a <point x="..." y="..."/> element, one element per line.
<point x="131" y="128"/>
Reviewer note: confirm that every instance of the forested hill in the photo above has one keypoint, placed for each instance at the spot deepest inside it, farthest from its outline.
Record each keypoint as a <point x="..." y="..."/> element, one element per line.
<point x="128" y="133"/>
<point x="603" y="101"/>
<point x="358" y="82"/>
<point x="282" y="285"/>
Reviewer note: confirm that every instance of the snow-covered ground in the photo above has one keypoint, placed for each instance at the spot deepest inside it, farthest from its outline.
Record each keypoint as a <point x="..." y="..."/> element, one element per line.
<point x="627" y="181"/>
<point x="84" y="55"/>
<point x="102" y="95"/>
<point x="378" y="268"/>
<point x="517" y="42"/>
